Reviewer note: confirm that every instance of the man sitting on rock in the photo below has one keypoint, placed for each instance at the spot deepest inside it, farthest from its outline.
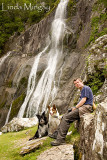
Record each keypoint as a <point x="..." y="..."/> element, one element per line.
<point x="84" y="106"/>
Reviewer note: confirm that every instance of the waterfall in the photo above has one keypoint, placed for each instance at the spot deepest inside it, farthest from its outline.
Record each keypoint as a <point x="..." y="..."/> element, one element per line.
<point x="55" y="89"/>
<point x="31" y="83"/>
<point x="18" y="75"/>
<point x="8" y="115"/>
<point x="38" y="96"/>
<point x="2" y="59"/>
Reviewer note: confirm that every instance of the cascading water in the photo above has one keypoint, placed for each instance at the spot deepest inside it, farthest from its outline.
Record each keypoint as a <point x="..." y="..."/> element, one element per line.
<point x="8" y="115"/>
<point x="39" y="95"/>
<point x="4" y="58"/>
<point x="31" y="83"/>
<point x="18" y="75"/>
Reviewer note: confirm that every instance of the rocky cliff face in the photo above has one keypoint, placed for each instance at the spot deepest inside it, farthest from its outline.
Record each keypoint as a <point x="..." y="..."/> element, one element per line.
<point x="93" y="134"/>
<point x="96" y="72"/>
<point x="33" y="40"/>
<point x="14" y="72"/>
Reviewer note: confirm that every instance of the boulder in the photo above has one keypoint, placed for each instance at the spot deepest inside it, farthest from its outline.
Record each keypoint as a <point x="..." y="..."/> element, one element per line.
<point x="63" y="152"/>
<point x="93" y="135"/>
<point x="18" y="124"/>
<point x="30" y="146"/>
<point x="99" y="145"/>
<point x="96" y="68"/>
<point x="86" y="129"/>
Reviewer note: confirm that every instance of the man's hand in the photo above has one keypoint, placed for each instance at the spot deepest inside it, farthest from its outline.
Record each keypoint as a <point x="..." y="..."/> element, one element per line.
<point x="83" y="100"/>
<point x="73" y="108"/>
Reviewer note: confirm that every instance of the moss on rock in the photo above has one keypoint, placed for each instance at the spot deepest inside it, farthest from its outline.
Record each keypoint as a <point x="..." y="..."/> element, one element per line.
<point x="16" y="105"/>
<point x="2" y="105"/>
<point x="71" y="9"/>
<point x="98" y="22"/>
<point x="95" y="81"/>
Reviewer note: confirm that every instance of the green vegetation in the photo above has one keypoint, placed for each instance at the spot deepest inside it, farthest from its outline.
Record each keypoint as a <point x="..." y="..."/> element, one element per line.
<point x="74" y="137"/>
<point x="71" y="10"/>
<point x="23" y="82"/>
<point x="19" y="94"/>
<point x="99" y="4"/>
<point x="96" y="80"/>
<point x="55" y="5"/>
<point x="2" y="105"/>
<point x="102" y="1"/>
<point x="16" y="101"/>
<point x="20" y="13"/>
<point x="16" y="104"/>
<point x="98" y="21"/>
<point x="105" y="71"/>
<point x="11" y="144"/>
<point x="9" y="84"/>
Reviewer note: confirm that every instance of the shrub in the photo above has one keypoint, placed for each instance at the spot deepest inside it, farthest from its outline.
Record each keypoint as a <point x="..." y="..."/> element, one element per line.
<point x="15" y="20"/>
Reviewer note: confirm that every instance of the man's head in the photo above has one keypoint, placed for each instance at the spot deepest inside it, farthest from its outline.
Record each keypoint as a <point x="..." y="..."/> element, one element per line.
<point x="78" y="83"/>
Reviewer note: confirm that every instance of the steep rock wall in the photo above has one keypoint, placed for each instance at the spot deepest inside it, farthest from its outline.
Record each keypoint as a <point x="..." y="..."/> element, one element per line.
<point x="15" y="71"/>
<point x="93" y="134"/>
<point x="33" y="39"/>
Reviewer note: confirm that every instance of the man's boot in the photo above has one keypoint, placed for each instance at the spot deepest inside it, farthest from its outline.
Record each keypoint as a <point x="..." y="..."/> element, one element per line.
<point x="54" y="135"/>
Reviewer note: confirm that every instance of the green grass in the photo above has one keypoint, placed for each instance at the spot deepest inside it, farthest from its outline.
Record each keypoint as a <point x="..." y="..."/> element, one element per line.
<point x="11" y="144"/>
<point x="74" y="137"/>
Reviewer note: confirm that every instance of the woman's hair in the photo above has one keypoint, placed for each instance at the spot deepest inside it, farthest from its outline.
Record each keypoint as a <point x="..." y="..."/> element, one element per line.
<point x="78" y="79"/>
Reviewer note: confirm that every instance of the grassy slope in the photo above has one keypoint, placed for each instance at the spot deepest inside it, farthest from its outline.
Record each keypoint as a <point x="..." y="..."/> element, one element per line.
<point x="11" y="143"/>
